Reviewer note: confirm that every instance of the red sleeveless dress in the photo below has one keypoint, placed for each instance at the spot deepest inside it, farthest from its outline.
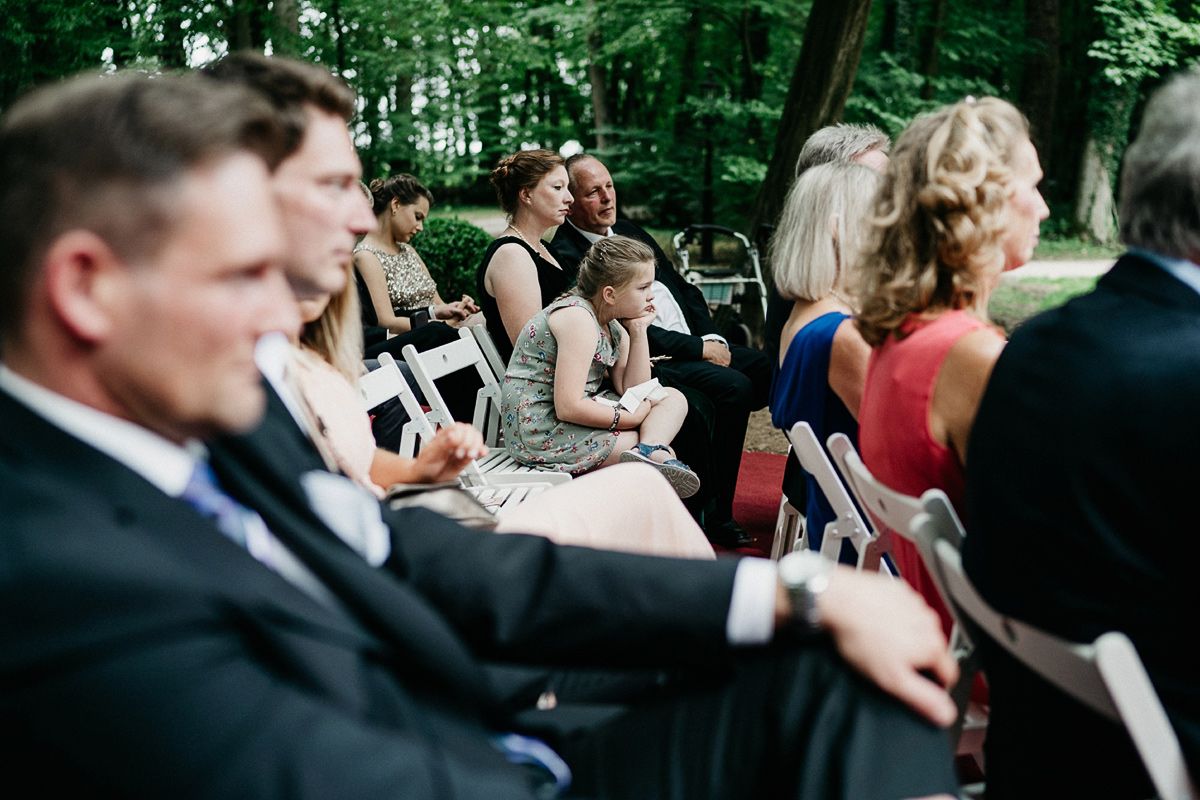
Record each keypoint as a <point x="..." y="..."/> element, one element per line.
<point x="894" y="435"/>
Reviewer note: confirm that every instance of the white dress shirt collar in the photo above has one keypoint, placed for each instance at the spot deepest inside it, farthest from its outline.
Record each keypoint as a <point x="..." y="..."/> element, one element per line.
<point x="163" y="463"/>
<point x="271" y="355"/>
<point x="591" y="237"/>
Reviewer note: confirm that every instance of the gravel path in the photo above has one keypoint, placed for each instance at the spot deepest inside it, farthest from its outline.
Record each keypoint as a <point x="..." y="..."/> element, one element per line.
<point x="1061" y="269"/>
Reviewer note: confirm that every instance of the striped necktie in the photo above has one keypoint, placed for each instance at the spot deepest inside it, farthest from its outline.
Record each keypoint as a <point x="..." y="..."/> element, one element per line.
<point x="203" y="493"/>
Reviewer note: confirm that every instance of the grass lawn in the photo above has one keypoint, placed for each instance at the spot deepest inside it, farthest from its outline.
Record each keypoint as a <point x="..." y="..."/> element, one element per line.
<point x="1015" y="301"/>
<point x="1074" y="249"/>
<point x="470" y="213"/>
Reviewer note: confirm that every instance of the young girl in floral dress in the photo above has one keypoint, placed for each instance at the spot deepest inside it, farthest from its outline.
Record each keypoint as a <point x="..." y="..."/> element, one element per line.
<point x="575" y="358"/>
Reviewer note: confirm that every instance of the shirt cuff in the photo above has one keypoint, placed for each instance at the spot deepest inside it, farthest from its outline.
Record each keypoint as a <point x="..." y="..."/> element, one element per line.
<point x="715" y="337"/>
<point x="752" y="607"/>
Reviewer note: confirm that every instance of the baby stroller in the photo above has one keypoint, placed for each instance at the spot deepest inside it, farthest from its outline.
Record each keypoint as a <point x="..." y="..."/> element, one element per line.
<point x="724" y="268"/>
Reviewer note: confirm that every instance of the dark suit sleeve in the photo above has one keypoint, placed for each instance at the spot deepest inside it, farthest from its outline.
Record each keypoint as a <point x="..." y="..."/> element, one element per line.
<point x="526" y="598"/>
<point x="569" y="246"/>
<point x="679" y="346"/>
<point x="133" y="678"/>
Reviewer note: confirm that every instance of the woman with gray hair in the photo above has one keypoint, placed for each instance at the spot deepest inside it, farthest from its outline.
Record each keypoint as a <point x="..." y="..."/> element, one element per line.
<point x="823" y="359"/>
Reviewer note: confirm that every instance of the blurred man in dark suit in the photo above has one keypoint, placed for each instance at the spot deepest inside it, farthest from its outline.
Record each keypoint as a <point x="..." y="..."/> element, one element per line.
<point x="1081" y="507"/>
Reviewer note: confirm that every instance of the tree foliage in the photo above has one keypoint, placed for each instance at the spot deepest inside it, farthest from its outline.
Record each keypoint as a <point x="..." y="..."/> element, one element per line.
<point x="446" y="88"/>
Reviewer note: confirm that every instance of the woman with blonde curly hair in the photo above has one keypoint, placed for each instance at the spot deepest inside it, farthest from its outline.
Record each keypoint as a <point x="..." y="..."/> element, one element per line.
<point x="959" y="205"/>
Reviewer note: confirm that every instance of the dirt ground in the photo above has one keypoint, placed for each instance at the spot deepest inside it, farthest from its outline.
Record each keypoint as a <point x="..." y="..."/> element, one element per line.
<point x="764" y="437"/>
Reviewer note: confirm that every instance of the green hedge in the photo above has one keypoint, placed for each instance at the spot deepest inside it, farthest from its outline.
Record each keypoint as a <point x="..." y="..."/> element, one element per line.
<point x="452" y="249"/>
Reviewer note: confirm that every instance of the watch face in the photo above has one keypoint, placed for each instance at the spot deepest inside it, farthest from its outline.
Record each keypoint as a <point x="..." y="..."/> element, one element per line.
<point x="798" y="568"/>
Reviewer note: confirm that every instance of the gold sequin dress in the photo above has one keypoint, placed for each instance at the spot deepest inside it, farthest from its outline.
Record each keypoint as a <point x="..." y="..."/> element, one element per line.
<point x="409" y="284"/>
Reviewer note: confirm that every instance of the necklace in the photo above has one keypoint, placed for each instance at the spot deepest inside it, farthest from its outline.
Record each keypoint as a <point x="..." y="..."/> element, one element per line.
<point x="521" y="236"/>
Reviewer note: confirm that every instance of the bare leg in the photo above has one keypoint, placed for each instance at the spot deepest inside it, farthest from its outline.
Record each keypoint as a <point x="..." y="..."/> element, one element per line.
<point x="663" y="422"/>
<point x="648" y="518"/>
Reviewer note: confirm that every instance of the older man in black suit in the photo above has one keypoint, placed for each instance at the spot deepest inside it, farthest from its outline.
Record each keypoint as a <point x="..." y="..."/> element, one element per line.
<point x="1081" y="507"/>
<point x="190" y="624"/>
<point x="735" y="378"/>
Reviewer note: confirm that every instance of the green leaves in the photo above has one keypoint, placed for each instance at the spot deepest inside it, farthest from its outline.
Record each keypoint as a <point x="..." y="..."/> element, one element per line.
<point x="452" y="249"/>
<point x="1142" y="39"/>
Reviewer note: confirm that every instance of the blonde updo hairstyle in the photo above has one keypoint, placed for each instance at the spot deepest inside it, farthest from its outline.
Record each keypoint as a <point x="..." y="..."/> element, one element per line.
<point x="612" y="261"/>
<point x="940" y="215"/>
<point x="825" y="221"/>
<point x="522" y="170"/>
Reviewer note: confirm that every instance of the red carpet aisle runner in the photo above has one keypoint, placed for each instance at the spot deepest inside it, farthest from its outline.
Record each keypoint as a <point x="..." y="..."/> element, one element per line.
<point x="756" y="500"/>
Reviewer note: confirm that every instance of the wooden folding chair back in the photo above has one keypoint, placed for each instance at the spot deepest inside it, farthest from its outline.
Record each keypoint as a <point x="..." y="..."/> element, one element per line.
<point x="386" y="383"/>
<point x="895" y="512"/>
<point x="848" y="523"/>
<point x="1105" y="675"/>
<point x="490" y="352"/>
<point x="497" y="467"/>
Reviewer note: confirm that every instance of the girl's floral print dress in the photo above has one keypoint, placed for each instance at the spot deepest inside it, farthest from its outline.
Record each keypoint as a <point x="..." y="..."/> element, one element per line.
<point x="532" y="432"/>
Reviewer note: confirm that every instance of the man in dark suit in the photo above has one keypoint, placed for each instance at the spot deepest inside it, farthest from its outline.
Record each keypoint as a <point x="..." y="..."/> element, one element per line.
<point x="1081" y="509"/>
<point x="735" y="378"/>
<point x="189" y="624"/>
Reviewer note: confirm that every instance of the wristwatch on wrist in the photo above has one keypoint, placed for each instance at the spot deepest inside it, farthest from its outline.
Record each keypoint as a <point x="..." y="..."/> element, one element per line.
<point x="805" y="575"/>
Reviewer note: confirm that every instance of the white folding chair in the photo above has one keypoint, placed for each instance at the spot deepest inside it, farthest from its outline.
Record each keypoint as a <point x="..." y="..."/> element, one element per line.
<point x="789" y="528"/>
<point x="1105" y="675"/>
<point x="490" y="352"/>
<point x="387" y="382"/>
<point x="894" y="511"/>
<point x="848" y="524"/>
<point x="497" y="467"/>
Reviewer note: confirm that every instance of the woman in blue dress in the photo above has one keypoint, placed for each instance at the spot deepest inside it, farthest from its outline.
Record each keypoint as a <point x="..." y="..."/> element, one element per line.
<point x="822" y="358"/>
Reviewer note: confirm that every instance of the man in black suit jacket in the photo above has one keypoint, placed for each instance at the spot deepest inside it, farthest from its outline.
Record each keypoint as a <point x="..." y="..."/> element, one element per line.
<point x="178" y="638"/>
<point x="1081" y="511"/>
<point x="736" y="379"/>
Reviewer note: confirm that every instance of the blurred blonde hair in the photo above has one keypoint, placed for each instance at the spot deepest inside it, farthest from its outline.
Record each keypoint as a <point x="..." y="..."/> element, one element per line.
<point x="818" y="245"/>
<point x="337" y="335"/>
<point x="940" y="215"/>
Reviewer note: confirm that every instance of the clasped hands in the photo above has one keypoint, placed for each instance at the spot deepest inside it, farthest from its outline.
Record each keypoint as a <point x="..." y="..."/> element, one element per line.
<point x="458" y="310"/>
<point x="715" y="352"/>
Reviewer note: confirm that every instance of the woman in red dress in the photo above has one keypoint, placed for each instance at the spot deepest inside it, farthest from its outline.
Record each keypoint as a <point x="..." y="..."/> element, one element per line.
<point x="959" y="206"/>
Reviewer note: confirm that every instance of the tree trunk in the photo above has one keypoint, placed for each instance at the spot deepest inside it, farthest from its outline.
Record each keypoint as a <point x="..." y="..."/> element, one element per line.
<point x="931" y="42"/>
<point x="246" y="26"/>
<point x="1109" y="118"/>
<point x="756" y="46"/>
<point x="821" y="82"/>
<point x="287" y="25"/>
<point x="1095" y="206"/>
<point x="687" y="71"/>
<point x="598" y="77"/>
<point x="1039" y="80"/>
<point x="339" y="35"/>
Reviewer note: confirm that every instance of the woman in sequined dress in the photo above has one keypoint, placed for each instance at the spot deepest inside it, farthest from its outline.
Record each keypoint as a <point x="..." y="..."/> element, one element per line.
<point x="400" y="287"/>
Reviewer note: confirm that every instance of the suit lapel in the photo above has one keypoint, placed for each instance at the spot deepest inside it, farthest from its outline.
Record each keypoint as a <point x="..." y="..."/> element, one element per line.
<point x="98" y="484"/>
<point x="265" y="466"/>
